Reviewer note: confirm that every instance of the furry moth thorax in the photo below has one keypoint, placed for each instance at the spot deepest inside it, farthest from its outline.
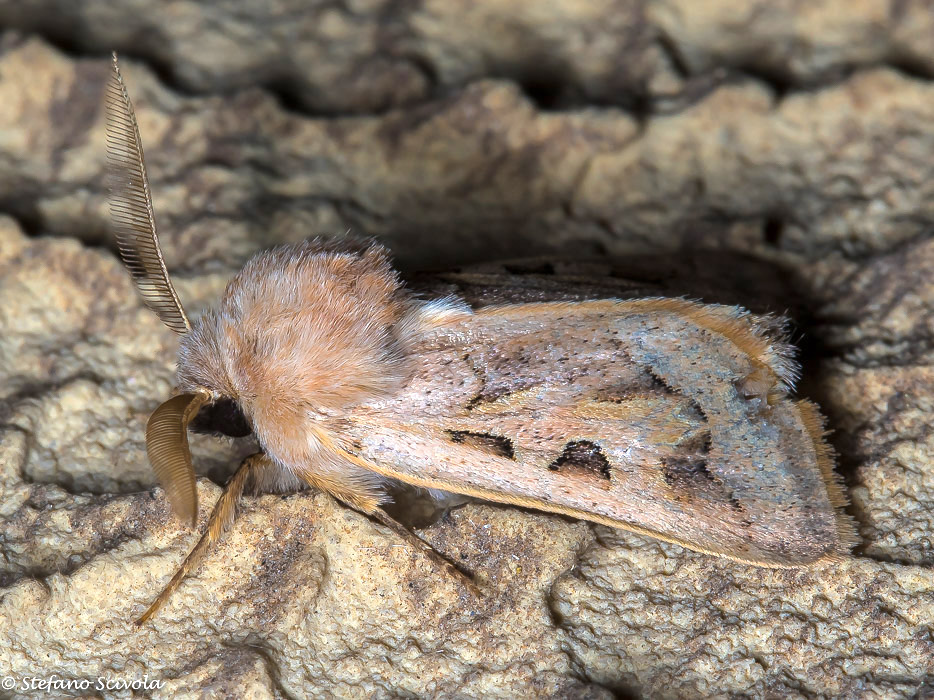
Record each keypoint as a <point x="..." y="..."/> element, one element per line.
<point x="304" y="326"/>
<point x="303" y="333"/>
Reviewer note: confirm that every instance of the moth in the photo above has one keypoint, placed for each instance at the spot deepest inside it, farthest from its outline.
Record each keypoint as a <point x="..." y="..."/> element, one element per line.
<point x="663" y="416"/>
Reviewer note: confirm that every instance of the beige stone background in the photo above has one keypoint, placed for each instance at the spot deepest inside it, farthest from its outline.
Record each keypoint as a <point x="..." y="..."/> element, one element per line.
<point x="783" y="149"/>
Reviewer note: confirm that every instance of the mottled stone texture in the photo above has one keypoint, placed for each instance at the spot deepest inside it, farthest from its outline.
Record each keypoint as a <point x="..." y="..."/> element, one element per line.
<point x="780" y="151"/>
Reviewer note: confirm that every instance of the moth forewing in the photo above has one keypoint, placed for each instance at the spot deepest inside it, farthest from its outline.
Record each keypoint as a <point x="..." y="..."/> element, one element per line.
<point x="654" y="388"/>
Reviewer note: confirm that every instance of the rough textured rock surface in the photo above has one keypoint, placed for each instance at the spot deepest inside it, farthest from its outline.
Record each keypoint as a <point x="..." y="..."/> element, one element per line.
<point x="792" y="143"/>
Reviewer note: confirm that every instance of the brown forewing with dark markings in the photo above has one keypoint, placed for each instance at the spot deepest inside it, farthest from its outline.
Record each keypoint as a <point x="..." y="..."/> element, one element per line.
<point x="632" y="414"/>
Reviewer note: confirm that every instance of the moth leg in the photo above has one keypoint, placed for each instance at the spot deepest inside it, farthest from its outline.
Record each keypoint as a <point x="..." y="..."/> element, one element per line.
<point x="383" y="518"/>
<point x="225" y="510"/>
<point x="368" y="502"/>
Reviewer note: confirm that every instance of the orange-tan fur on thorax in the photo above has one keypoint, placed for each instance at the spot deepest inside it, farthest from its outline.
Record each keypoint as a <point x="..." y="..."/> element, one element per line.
<point x="302" y="334"/>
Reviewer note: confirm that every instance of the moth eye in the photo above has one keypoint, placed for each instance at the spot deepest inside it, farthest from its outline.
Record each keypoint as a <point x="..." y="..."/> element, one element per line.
<point x="223" y="417"/>
<point x="494" y="444"/>
<point x="582" y="455"/>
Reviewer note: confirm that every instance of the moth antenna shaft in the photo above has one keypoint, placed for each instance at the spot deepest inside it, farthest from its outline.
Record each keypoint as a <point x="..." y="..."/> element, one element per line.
<point x="131" y="213"/>
<point x="222" y="517"/>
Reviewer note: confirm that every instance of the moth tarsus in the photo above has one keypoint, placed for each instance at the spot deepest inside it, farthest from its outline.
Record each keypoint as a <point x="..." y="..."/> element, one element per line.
<point x="220" y="520"/>
<point x="666" y="417"/>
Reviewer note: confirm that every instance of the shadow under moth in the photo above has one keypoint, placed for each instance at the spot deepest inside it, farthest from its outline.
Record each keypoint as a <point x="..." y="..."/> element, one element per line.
<point x="663" y="416"/>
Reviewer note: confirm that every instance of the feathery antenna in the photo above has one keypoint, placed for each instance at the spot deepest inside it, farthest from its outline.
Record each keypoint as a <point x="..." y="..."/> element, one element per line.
<point x="131" y="212"/>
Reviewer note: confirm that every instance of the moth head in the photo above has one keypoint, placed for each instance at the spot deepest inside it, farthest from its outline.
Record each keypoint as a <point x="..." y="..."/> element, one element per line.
<point x="134" y="228"/>
<point x="302" y="333"/>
